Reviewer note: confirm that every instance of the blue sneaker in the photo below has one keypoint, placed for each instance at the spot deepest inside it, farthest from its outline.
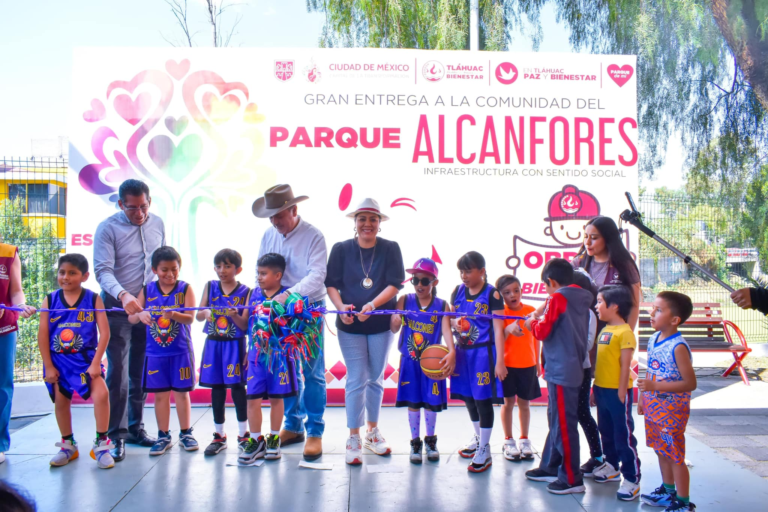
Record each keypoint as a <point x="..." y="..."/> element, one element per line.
<point x="660" y="497"/>
<point x="188" y="442"/>
<point x="162" y="445"/>
<point x="679" y="506"/>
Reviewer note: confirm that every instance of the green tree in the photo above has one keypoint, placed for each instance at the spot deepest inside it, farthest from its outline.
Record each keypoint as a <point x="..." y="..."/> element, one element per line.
<point x="39" y="256"/>
<point x="701" y="67"/>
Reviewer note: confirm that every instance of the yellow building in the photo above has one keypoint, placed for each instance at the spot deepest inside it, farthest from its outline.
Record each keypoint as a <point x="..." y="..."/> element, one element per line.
<point x="41" y="187"/>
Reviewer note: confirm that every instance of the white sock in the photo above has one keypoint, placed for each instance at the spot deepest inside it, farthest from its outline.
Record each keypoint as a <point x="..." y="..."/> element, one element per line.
<point x="274" y="432"/>
<point x="255" y="435"/>
<point x="219" y="428"/>
<point x="476" y="426"/>
<point x="243" y="427"/>
<point x="485" y="436"/>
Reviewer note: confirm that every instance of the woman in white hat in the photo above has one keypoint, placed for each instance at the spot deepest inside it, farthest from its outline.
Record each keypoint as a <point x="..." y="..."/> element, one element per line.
<point x="365" y="274"/>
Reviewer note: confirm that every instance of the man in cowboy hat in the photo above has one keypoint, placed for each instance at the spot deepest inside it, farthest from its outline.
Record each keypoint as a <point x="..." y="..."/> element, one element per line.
<point x="303" y="247"/>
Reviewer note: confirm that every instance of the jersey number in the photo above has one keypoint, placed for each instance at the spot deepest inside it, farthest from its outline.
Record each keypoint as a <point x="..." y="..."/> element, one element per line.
<point x="180" y="299"/>
<point x="481" y="309"/>
<point x="284" y="378"/>
<point x="233" y="368"/>
<point x="85" y="317"/>
<point x="83" y="378"/>
<point x="483" y="378"/>
<point x="184" y="373"/>
<point x="435" y="389"/>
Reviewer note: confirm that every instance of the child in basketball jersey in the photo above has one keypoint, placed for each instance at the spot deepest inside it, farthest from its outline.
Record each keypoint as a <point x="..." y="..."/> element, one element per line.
<point x="72" y="345"/>
<point x="479" y="372"/>
<point x="169" y="365"/>
<point x="414" y="389"/>
<point x="521" y="357"/>
<point x="223" y="361"/>
<point x="264" y="382"/>
<point x="666" y="400"/>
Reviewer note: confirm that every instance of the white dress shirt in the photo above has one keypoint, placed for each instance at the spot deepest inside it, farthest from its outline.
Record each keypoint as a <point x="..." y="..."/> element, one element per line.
<point x="305" y="256"/>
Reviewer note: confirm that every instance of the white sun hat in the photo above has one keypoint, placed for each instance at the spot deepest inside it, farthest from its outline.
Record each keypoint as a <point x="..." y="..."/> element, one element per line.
<point x="368" y="206"/>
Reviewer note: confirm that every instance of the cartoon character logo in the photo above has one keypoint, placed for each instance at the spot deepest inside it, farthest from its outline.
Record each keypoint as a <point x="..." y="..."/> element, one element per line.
<point x="67" y="342"/>
<point x="222" y="327"/>
<point x="164" y="331"/>
<point x="416" y="345"/>
<point x="654" y="364"/>
<point x="467" y="333"/>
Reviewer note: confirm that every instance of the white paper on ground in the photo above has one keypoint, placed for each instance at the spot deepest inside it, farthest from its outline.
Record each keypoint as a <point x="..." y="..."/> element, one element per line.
<point x="383" y="468"/>
<point x="256" y="464"/>
<point x="316" y="465"/>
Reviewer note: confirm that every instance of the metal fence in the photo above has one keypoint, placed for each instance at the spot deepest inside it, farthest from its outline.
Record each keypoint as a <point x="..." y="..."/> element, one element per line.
<point x="709" y="233"/>
<point x="33" y="208"/>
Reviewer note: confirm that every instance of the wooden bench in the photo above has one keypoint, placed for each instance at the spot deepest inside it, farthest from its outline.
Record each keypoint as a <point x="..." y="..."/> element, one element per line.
<point x="705" y="331"/>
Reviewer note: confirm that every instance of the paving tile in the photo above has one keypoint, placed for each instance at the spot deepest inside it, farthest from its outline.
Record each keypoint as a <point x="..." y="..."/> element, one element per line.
<point x="758" y="453"/>
<point x="735" y="455"/>
<point x="763" y="440"/>
<point x="732" y="430"/>
<point x="727" y="441"/>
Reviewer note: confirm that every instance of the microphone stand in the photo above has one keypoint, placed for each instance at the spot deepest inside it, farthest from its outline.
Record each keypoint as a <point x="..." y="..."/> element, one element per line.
<point x="634" y="217"/>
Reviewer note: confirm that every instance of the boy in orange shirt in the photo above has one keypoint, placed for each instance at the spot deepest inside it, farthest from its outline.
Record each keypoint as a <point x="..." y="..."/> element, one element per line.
<point x="521" y="357"/>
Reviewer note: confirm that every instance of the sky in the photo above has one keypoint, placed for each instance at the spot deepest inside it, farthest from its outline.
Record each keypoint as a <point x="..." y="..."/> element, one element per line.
<point x="39" y="36"/>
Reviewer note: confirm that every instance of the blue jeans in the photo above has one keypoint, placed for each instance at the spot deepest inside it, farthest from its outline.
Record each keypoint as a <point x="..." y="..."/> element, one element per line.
<point x="366" y="358"/>
<point x="310" y="402"/>
<point x="7" y="364"/>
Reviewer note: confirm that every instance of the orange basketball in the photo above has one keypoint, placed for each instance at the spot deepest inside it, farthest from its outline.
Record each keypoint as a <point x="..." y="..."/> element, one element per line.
<point x="163" y="323"/>
<point x="221" y="322"/>
<point x="67" y="335"/>
<point x="464" y="324"/>
<point x="430" y="361"/>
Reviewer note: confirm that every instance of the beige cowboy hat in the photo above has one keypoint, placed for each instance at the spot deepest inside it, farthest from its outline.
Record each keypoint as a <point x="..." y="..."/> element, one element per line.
<point x="368" y="206"/>
<point x="275" y="200"/>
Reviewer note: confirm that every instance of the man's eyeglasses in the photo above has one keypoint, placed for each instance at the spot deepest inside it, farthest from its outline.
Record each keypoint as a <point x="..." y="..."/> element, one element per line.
<point x="425" y="281"/>
<point x="144" y="208"/>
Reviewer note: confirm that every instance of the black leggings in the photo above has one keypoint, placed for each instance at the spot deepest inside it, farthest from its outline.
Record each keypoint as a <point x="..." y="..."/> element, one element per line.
<point x="587" y="422"/>
<point x="219" y="403"/>
<point x="481" y="411"/>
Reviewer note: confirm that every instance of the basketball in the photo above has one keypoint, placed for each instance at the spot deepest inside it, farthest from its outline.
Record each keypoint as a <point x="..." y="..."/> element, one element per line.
<point x="67" y="335"/>
<point x="430" y="361"/>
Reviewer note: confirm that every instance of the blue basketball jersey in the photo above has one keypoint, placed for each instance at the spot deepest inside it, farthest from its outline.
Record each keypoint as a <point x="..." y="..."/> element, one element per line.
<point x="257" y="297"/>
<point x="166" y="337"/>
<point x="478" y="331"/>
<point x="72" y="331"/>
<point x="221" y="326"/>
<point x="420" y="331"/>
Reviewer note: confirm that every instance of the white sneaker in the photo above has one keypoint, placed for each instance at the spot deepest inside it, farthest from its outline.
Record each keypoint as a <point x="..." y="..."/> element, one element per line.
<point x="469" y="449"/>
<point x="628" y="491"/>
<point x="482" y="460"/>
<point x="2" y="457"/>
<point x="375" y="442"/>
<point x="67" y="453"/>
<point x="510" y="450"/>
<point x="606" y="473"/>
<point x="100" y="453"/>
<point x="526" y="450"/>
<point x="354" y="450"/>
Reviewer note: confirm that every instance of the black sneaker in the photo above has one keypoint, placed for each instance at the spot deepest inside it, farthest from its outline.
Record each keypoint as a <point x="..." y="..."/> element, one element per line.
<point x="539" y="475"/>
<point x="559" y="487"/>
<point x="219" y="443"/>
<point x="589" y="467"/>
<point x="431" y="448"/>
<point x="256" y="449"/>
<point x="141" y="438"/>
<point x="679" y="506"/>
<point x="416" y="446"/>
<point x="242" y="441"/>
<point x="660" y="497"/>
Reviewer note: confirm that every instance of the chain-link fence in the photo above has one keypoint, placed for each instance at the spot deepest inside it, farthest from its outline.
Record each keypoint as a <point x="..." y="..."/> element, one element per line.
<point x="710" y="233"/>
<point x="33" y="208"/>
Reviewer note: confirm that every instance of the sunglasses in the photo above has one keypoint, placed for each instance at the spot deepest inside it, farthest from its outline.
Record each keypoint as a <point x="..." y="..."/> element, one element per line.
<point x="425" y="281"/>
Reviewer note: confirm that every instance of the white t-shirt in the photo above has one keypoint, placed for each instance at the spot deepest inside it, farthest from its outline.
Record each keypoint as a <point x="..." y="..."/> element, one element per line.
<point x="591" y="332"/>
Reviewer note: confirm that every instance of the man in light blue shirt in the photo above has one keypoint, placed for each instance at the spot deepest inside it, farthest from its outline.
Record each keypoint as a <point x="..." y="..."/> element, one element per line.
<point x="122" y="256"/>
<point x="303" y="247"/>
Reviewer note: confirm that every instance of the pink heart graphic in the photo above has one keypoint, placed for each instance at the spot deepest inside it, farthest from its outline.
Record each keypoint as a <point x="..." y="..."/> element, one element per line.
<point x="97" y="112"/>
<point x="132" y="110"/>
<point x="177" y="70"/>
<point x="620" y="75"/>
<point x="220" y="110"/>
<point x="176" y="126"/>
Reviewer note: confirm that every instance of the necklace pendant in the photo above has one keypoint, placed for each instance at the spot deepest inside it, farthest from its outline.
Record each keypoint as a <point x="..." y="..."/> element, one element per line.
<point x="367" y="283"/>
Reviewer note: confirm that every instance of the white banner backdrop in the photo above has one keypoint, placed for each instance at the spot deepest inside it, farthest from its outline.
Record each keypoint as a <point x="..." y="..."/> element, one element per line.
<point x="503" y="153"/>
